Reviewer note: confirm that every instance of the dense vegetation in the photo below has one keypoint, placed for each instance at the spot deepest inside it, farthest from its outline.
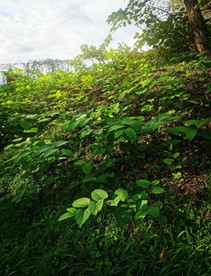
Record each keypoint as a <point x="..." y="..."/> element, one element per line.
<point x="132" y="132"/>
<point x="105" y="169"/>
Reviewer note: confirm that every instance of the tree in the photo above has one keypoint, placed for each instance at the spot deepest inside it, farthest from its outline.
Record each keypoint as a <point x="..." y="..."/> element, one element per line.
<point x="166" y="25"/>
<point x="198" y="25"/>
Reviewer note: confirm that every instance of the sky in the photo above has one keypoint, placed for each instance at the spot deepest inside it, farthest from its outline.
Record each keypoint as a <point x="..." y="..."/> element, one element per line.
<point x="40" y="29"/>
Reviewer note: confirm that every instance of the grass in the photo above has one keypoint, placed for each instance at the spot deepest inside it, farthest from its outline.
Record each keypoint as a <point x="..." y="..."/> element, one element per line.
<point x="33" y="242"/>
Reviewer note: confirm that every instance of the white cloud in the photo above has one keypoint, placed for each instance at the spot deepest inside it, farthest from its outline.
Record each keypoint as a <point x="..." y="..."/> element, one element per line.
<point x="39" y="29"/>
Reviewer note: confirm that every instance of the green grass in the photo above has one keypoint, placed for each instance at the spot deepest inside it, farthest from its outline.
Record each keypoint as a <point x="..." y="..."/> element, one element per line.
<point x="34" y="242"/>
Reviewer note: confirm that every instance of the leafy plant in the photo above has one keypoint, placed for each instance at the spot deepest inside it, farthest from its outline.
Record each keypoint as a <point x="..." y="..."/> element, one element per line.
<point x="139" y="203"/>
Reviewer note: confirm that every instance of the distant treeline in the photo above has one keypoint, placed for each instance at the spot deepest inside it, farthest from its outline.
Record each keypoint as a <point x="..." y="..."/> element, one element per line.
<point x="46" y="65"/>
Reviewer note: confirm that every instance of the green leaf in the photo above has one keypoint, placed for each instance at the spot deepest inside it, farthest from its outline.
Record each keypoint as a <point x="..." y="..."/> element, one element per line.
<point x="92" y="208"/>
<point x="25" y="124"/>
<point x="48" y="180"/>
<point x="82" y="216"/>
<point x="191" y="133"/>
<point x="66" y="216"/>
<point x="141" y="203"/>
<point x="177" y="130"/>
<point x="197" y="123"/>
<point x="177" y="175"/>
<point x="146" y="82"/>
<point x="118" y="133"/>
<point x="69" y="126"/>
<point x="177" y="154"/>
<point x="58" y="144"/>
<point x="99" y="204"/>
<point x="123" y="194"/>
<point x="85" y="132"/>
<point x="20" y="193"/>
<point x="168" y="161"/>
<point x="83" y="121"/>
<point x="66" y="152"/>
<point x="81" y="202"/>
<point x="99" y="194"/>
<point x="71" y="210"/>
<point x="158" y="203"/>
<point x="17" y="140"/>
<point x="31" y="130"/>
<point x="147" y="108"/>
<point x="135" y="197"/>
<point x="115" y="127"/>
<point x="31" y="117"/>
<point x="87" y="168"/>
<point x="131" y="134"/>
<point x="40" y="149"/>
<point x="153" y="211"/>
<point x="143" y="183"/>
<point x="155" y="182"/>
<point x="8" y="147"/>
<point x="44" y="120"/>
<point x="49" y="152"/>
<point x="157" y="190"/>
<point x="144" y="195"/>
<point x="142" y="213"/>
<point x="95" y="207"/>
<point x="114" y="202"/>
<point x="89" y="178"/>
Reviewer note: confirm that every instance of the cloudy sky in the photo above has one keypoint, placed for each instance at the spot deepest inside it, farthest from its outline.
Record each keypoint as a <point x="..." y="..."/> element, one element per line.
<point x="39" y="29"/>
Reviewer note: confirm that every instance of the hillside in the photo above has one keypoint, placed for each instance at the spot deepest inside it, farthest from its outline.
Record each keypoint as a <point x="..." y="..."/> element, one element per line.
<point x="132" y="131"/>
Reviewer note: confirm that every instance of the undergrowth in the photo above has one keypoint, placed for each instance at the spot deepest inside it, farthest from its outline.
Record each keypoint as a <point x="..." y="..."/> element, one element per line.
<point x="125" y="140"/>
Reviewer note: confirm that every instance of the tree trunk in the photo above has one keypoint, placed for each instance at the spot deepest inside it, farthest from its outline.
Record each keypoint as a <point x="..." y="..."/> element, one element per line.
<point x="198" y="25"/>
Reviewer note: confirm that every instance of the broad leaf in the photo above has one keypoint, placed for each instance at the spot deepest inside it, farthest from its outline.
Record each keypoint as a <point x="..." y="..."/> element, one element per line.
<point x="142" y="213"/>
<point x="191" y="133"/>
<point x="123" y="194"/>
<point x="155" y="182"/>
<point x="31" y="130"/>
<point x="99" y="194"/>
<point x="87" y="168"/>
<point x="146" y="82"/>
<point x="115" y="127"/>
<point x="197" y="123"/>
<point x="58" y="144"/>
<point x="66" y="152"/>
<point x="66" y="216"/>
<point x="168" y="161"/>
<point x="85" y="132"/>
<point x="143" y="183"/>
<point x="71" y="210"/>
<point x="157" y="190"/>
<point x="20" y="193"/>
<point x="81" y="216"/>
<point x="95" y="207"/>
<point x="50" y="152"/>
<point x="118" y="133"/>
<point x="131" y="134"/>
<point x="153" y="211"/>
<point x="114" y="202"/>
<point x="140" y="204"/>
<point x="81" y="202"/>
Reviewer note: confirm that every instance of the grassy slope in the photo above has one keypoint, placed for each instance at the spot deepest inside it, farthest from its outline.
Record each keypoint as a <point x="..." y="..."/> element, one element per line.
<point x="32" y="240"/>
